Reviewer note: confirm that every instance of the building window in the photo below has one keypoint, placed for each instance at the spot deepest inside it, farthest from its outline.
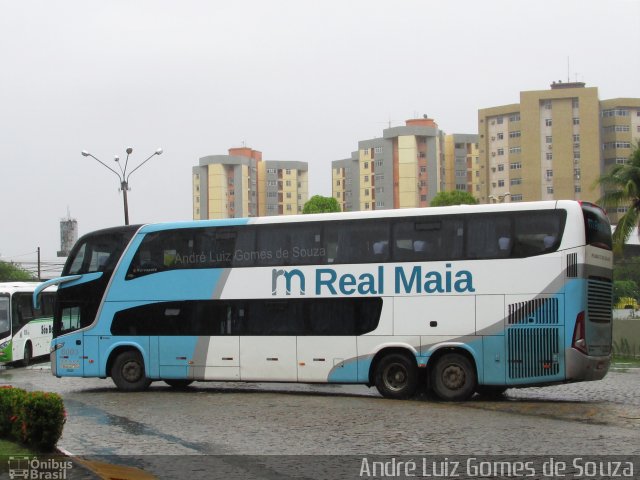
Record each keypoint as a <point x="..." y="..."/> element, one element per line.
<point x="546" y="104"/>
<point x="575" y="103"/>
<point x="577" y="189"/>
<point x="515" y="166"/>
<point x="548" y="139"/>
<point x="516" y="181"/>
<point x="499" y="120"/>
<point x="501" y="183"/>
<point x="549" y="189"/>
<point x="366" y="164"/>
<point x="515" y="149"/>
<point x="549" y="156"/>
<point x="576" y="138"/>
<point x="271" y="170"/>
<point x="615" y="112"/>
<point x="500" y="135"/>
<point x="501" y="167"/>
<point x="516" y="197"/>
<point x="288" y="183"/>
<point x="576" y="155"/>
<point x="515" y="117"/>
<point x="549" y="174"/>
<point x="377" y="149"/>
<point x="548" y="122"/>
<point x="501" y="151"/>
<point x="514" y="134"/>
<point x="576" y="121"/>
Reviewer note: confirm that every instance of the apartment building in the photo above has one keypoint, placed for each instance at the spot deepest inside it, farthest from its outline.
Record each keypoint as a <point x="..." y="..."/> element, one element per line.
<point x="554" y="144"/>
<point x="461" y="170"/>
<point x="241" y="184"/>
<point x="401" y="169"/>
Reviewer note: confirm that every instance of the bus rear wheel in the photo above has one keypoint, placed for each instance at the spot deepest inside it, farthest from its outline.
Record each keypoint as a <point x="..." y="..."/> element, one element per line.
<point x="396" y="376"/>
<point x="128" y="373"/>
<point x="178" y="384"/>
<point x="453" y="377"/>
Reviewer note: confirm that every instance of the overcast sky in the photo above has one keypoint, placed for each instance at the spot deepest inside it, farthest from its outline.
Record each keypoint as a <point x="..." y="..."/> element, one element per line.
<point x="295" y="79"/>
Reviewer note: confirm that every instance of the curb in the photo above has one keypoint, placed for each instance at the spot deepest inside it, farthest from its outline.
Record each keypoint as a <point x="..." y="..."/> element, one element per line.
<point x="106" y="470"/>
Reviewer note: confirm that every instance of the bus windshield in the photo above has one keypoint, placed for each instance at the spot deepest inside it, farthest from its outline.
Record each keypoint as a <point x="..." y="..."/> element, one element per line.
<point x="5" y="326"/>
<point x="597" y="226"/>
<point x="98" y="252"/>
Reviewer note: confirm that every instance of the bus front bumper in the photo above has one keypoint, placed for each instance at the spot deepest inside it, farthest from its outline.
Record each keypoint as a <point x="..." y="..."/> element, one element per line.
<point x="585" y="367"/>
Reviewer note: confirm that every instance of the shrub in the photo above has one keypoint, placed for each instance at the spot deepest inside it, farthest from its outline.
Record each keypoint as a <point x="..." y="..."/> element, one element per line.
<point x="34" y="418"/>
<point x="10" y="400"/>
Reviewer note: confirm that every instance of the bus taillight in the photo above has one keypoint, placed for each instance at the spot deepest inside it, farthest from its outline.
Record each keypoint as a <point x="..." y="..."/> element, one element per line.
<point x="579" y="341"/>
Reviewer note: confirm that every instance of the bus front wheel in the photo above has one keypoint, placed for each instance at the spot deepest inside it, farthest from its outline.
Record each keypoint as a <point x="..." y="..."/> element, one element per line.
<point x="128" y="372"/>
<point x="396" y="376"/>
<point x="453" y="377"/>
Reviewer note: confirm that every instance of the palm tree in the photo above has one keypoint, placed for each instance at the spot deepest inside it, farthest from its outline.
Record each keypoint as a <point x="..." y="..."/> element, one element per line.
<point x="621" y="185"/>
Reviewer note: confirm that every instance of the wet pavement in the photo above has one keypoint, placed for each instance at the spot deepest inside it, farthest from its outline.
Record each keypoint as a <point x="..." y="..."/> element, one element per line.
<point x="153" y="429"/>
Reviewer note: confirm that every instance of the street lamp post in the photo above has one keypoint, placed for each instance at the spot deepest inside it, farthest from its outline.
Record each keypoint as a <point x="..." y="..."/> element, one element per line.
<point x="123" y="176"/>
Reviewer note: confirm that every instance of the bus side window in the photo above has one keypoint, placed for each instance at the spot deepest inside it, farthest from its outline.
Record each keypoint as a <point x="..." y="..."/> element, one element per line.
<point x="489" y="236"/>
<point x="368" y="243"/>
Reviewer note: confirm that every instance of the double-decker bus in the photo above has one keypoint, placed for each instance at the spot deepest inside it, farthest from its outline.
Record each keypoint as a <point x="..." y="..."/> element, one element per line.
<point x="25" y="331"/>
<point x="458" y="300"/>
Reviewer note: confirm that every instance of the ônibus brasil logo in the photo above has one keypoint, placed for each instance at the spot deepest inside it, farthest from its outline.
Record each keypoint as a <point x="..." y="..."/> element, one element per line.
<point x="37" y="469"/>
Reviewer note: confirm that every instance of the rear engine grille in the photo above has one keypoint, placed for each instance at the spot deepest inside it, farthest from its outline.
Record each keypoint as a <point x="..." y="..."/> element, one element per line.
<point x="534" y="312"/>
<point x="599" y="300"/>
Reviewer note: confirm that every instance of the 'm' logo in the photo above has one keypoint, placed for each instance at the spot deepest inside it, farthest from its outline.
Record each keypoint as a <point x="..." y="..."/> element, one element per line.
<point x="288" y="280"/>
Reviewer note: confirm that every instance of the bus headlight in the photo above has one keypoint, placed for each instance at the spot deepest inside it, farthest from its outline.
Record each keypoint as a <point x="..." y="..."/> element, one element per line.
<point x="3" y="345"/>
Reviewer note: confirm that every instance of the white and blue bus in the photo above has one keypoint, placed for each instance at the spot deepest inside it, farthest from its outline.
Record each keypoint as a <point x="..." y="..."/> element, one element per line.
<point x="457" y="299"/>
<point x="25" y="332"/>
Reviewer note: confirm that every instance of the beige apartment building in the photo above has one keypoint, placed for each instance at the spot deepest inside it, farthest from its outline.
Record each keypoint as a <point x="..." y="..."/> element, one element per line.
<point x="402" y="169"/>
<point x="461" y="170"/>
<point x="241" y="184"/>
<point x="554" y="144"/>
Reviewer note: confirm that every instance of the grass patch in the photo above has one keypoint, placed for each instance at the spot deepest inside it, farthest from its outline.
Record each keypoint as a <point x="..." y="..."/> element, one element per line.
<point x="621" y="362"/>
<point x="11" y="448"/>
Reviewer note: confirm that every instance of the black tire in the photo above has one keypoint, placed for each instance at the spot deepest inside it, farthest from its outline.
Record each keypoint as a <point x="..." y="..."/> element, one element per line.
<point x="491" y="391"/>
<point x="396" y="376"/>
<point x="178" y="384"/>
<point x="28" y="355"/>
<point x="128" y="372"/>
<point x="453" y="377"/>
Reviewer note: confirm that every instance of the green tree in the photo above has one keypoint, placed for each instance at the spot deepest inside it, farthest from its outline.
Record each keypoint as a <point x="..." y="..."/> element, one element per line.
<point x="320" y="204"/>
<point x="624" y="288"/>
<point x="621" y="185"/>
<point x="9" y="272"/>
<point x="456" y="197"/>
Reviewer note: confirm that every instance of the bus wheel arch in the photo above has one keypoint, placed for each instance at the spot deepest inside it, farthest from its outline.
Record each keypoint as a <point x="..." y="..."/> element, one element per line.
<point x="27" y="353"/>
<point x="127" y="369"/>
<point x="453" y="374"/>
<point x="394" y="372"/>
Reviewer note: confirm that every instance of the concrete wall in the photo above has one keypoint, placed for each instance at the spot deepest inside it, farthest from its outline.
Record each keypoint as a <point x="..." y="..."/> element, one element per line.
<point x="626" y="336"/>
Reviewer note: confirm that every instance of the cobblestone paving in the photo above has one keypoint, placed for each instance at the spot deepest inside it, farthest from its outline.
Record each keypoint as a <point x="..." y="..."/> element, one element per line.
<point x="594" y="418"/>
